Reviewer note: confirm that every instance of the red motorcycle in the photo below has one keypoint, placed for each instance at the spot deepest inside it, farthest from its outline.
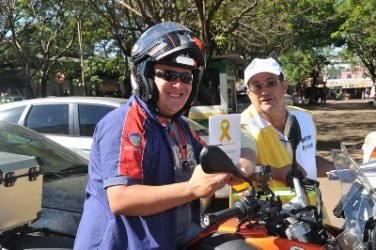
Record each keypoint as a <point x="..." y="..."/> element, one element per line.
<point x="261" y="221"/>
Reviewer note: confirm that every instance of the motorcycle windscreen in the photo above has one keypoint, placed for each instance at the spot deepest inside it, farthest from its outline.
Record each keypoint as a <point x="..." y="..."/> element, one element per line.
<point x="357" y="200"/>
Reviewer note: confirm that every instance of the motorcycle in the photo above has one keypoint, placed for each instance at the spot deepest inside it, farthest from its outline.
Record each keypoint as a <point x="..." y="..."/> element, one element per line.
<point x="261" y="221"/>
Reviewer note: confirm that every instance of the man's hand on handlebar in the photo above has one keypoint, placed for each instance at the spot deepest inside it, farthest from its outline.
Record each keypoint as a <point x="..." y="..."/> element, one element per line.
<point x="204" y="185"/>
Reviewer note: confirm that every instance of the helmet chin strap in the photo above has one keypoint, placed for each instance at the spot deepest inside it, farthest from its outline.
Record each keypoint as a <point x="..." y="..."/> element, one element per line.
<point x="164" y="116"/>
<point x="159" y="113"/>
<point x="169" y="117"/>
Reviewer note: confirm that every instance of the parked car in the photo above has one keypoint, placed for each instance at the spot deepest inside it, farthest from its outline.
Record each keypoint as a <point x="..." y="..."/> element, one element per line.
<point x="8" y="99"/>
<point x="69" y="121"/>
<point x="64" y="181"/>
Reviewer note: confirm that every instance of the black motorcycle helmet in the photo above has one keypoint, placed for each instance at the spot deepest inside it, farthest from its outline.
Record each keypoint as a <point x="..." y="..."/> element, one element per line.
<point x="166" y="43"/>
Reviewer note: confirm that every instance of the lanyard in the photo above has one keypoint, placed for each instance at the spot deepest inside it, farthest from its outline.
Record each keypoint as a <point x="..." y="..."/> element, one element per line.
<point x="183" y="145"/>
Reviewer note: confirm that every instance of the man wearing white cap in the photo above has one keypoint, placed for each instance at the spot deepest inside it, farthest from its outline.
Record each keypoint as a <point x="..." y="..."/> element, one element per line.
<point x="265" y="122"/>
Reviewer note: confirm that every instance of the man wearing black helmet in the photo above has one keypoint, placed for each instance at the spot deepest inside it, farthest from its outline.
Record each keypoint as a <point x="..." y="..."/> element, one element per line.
<point x="145" y="184"/>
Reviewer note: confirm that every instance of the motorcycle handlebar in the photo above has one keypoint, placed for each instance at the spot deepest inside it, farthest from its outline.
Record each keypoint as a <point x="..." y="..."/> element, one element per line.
<point x="214" y="218"/>
<point x="242" y="208"/>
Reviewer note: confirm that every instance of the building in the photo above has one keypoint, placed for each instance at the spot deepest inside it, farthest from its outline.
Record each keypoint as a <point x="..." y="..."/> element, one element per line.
<point x="352" y="82"/>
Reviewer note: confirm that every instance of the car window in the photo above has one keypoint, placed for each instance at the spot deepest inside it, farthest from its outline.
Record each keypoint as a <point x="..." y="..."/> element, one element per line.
<point x="49" y="119"/>
<point x="12" y="115"/>
<point x="89" y="116"/>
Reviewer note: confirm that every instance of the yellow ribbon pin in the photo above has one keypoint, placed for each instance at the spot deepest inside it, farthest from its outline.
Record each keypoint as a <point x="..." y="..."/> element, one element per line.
<point x="225" y="126"/>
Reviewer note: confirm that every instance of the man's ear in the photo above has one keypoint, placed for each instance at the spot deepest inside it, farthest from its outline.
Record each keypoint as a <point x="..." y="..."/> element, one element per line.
<point x="285" y="85"/>
<point x="248" y="92"/>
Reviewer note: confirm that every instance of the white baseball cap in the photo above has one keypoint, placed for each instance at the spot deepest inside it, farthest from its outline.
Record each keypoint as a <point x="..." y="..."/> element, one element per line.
<point x="258" y="65"/>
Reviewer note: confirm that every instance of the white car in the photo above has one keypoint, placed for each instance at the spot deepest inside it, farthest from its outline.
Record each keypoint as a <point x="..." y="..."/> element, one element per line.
<point x="69" y="121"/>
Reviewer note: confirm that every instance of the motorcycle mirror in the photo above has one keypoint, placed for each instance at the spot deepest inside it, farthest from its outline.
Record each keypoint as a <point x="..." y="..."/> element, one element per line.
<point x="214" y="160"/>
<point x="294" y="137"/>
<point x="294" y="134"/>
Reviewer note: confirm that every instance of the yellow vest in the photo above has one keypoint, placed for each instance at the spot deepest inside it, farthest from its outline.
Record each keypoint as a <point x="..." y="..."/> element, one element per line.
<point x="273" y="149"/>
<point x="271" y="146"/>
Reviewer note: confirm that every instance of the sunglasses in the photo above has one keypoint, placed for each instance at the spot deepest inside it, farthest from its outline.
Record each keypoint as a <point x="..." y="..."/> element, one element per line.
<point x="172" y="76"/>
<point x="257" y="87"/>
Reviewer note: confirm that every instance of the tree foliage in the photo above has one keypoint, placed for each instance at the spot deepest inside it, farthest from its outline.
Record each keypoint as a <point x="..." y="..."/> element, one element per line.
<point x="41" y="36"/>
<point x="358" y="30"/>
<point x="41" y="33"/>
<point x="311" y="24"/>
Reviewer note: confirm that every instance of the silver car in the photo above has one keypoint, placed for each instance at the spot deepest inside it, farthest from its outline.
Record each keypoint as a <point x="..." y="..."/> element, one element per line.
<point x="69" y="121"/>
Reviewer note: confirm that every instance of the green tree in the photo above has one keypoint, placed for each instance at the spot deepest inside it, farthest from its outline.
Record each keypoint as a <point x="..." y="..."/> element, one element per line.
<point x="311" y="24"/>
<point x="127" y="19"/>
<point x="121" y="25"/>
<point x="359" y="31"/>
<point x="44" y="33"/>
<point x="4" y="27"/>
<point x="211" y="19"/>
<point x="41" y="32"/>
<point x="261" y="32"/>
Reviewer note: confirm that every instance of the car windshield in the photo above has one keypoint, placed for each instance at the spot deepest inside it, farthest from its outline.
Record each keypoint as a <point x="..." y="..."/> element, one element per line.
<point x="53" y="157"/>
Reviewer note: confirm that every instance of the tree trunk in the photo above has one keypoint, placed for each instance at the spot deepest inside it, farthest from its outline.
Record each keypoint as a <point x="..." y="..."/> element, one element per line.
<point x="313" y="95"/>
<point x="43" y="87"/>
<point x="29" y="91"/>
